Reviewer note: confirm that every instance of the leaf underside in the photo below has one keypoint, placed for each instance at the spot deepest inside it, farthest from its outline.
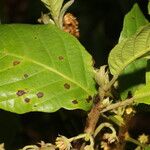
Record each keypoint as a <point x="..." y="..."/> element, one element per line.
<point x="129" y="50"/>
<point x="133" y="76"/>
<point x="132" y="21"/>
<point x="43" y="69"/>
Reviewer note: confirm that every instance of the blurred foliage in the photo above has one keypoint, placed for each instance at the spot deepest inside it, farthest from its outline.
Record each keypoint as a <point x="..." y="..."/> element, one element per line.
<point x="100" y="23"/>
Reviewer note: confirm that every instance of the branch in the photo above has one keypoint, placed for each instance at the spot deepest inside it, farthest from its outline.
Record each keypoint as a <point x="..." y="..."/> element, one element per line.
<point x="92" y="119"/>
<point x="119" y="104"/>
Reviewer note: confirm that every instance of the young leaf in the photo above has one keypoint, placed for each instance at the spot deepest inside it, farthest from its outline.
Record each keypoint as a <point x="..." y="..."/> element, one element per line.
<point x="54" y="6"/>
<point x="43" y="69"/>
<point x="132" y="21"/>
<point x="129" y="50"/>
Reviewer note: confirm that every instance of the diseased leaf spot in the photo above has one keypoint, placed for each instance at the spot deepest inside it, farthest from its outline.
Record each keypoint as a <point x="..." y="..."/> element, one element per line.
<point x="75" y="101"/>
<point x="35" y="37"/>
<point x="20" y="92"/>
<point x="89" y="99"/>
<point x="67" y="86"/>
<point x="16" y="62"/>
<point x="27" y="100"/>
<point x="60" y="57"/>
<point x="40" y="94"/>
<point x="26" y="75"/>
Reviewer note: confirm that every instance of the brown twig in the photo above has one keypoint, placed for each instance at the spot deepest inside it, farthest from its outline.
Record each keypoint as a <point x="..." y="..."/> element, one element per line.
<point x="94" y="114"/>
<point x="92" y="119"/>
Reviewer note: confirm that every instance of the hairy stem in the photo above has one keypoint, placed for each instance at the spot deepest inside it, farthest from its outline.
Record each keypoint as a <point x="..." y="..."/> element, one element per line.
<point x="130" y="139"/>
<point x="119" y="104"/>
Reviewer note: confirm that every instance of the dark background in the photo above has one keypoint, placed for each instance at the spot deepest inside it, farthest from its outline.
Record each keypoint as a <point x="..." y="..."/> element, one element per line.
<point x="100" y="23"/>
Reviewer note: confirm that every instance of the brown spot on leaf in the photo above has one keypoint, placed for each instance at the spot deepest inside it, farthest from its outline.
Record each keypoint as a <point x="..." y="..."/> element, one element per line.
<point x="40" y="94"/>
<point x="27" y="100"/>
<point x="26" y="75"/>
<point x="75" y="101"/>
<point x="67" y="86"/>
<point x="60" y="57"/>
<point x="20" y="92"/>
<point x="16" y="62"/>
<point x="89" y="99"/>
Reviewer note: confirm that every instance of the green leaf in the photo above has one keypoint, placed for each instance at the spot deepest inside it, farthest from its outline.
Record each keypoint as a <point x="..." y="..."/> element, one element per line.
<point x="54" y="6"/>
<point x="133" y="77"/>
<point x="142" y="94"/>
<point x="43" y="69"/>
<point x="129" y="50"/>
<point x="132" y="21"/>
<point x="127" y="83"/>
<point x="147" y="148"/>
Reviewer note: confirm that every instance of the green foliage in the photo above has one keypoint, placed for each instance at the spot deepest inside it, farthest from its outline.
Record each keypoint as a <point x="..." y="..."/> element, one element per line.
<point x="54" y="6"/>
<point x="132" y="21"/>
<point x="57" y="12"/>
<point x="43" y="69"/>
<point x="129" y="50"/>
<point x="142" y="95"/>
<point x="147" y="148"/>
<point x="133" y="77"/>
<point x="128" y="59"/>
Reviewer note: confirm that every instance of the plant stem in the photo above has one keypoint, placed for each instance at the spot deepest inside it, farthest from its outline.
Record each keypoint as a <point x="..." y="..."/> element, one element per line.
<point x="119" y="104"/>
<point x="63" y="11"/>
<point x="77" y="137"/>
<point x="93" y="116"/>
<point x="103" y="125"/>
<point x="92" y="119"/>
<point x="130" y="139"/>
<point x="113" y="80"/>
<point x="123" y="131"/>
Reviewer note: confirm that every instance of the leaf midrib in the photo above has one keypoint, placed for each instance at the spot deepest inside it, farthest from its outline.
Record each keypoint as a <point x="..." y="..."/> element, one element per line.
<point x="52" y="70"/>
